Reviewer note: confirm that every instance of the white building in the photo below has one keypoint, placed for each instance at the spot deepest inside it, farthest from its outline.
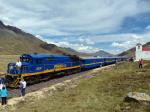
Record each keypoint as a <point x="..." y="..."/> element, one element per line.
<point x="142" y="53"/>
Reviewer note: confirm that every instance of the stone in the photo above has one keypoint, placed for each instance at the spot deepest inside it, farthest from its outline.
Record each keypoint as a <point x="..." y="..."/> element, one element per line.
<point x="137" y="97"/>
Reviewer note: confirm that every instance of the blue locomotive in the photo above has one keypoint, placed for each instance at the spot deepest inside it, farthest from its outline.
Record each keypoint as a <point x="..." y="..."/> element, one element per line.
<point x="38" y="67"/>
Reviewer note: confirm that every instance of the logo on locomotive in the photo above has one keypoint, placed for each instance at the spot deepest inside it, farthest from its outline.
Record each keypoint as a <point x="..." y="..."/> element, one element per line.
<point x="59" y="65"/>
<point x="38" y="68"/>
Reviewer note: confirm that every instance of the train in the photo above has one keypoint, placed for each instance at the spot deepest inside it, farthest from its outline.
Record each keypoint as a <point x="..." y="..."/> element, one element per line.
<point x="41" y="67"/>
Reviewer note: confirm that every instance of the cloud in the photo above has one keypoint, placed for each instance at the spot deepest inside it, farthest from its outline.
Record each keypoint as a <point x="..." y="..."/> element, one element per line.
<point x="118" y="42"/>
<point x="122" y="45"/>
<point x="148" y="27"/>
<point x="76" y="46"/>
<point x="86" y="40"/>
<point x="131" y="42"/>
<point x="63" y="17"/>
<point x="82" y="23"/>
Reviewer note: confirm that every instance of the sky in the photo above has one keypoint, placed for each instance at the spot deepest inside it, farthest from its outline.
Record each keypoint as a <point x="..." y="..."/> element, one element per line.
<point x="84" y="25"/>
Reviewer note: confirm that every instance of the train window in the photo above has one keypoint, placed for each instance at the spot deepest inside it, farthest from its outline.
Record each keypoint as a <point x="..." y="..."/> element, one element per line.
<point x="24" y="67"/>
<point x="38" y="61"/>
<point x="47" y="60"/>
<point x="94" y="61"/>
<point x="83" y="61"/>
<point x="11" y="67"/>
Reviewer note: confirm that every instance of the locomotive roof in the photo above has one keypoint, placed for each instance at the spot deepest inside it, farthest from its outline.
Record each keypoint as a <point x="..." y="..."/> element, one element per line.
<point x="44" y="55"/>
<point x="100" y="57"/>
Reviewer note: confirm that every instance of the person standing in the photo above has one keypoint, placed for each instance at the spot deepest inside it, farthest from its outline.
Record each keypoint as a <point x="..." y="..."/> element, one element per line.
<point x="19" y="66"/>
<point x="1" y="83"/>
<point x="141" y="62"/>
<point x="4" y="94"/>
<point x="131" y="59"/>
<point x="22" y="87"/>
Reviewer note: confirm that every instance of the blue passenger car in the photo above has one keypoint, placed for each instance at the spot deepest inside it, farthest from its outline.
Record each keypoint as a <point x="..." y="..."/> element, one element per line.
<point x="109" y="60"/>
<point x="92" y="62"/>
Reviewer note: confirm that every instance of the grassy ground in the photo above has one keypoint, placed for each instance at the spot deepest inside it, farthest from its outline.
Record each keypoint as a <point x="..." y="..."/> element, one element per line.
<point x="103" y="93"/>
<point x="5" y="59"/>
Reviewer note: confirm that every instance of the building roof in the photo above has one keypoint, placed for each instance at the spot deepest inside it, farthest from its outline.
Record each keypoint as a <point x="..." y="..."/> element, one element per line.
<point x="138" y="44"/>
<point x="145" y="49"/>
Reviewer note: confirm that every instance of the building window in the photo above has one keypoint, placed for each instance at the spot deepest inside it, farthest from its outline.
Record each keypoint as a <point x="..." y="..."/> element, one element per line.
<point x="138" y="47"/>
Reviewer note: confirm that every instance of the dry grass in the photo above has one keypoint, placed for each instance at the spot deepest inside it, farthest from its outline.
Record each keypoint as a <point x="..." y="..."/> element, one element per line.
<point x="103" y="93"/>
<point x="5" y="59"/>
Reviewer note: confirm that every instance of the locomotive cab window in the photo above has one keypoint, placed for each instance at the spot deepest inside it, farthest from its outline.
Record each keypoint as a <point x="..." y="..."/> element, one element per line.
<point x="11" y="67"/>
<point x="39" y="61"/>
<point x="26" y="60"/>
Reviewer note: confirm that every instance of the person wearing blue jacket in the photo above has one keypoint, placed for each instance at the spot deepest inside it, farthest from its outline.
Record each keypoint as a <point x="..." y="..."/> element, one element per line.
<point x="4" y="94"/>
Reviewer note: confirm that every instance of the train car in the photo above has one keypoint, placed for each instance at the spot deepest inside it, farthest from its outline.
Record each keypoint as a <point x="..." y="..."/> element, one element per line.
<point x="113" y="60"/>
<point x="109" y="60"/>
<point x="36" y="67"/>
<point x="92" y="62"/>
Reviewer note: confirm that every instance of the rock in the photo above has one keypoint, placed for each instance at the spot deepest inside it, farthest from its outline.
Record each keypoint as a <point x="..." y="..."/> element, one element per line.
<point x="137" y="97"/>
<point x="128" y="107"/>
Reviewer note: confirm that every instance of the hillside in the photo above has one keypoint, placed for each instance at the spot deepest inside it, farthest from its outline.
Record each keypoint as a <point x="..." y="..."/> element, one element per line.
<point x="131" y="52"/>
<point x="15" y="41"/>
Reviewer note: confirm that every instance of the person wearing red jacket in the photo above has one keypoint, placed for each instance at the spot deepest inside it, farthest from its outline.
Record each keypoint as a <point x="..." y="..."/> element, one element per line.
<point x="141" y="62"/>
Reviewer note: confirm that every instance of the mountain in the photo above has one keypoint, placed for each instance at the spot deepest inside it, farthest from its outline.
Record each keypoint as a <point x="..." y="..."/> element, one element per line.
<point x="15" y="41"/>
<point x="82" y="54"/>
<point x="102" y="53"/>
<point x="131" y="52"/>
